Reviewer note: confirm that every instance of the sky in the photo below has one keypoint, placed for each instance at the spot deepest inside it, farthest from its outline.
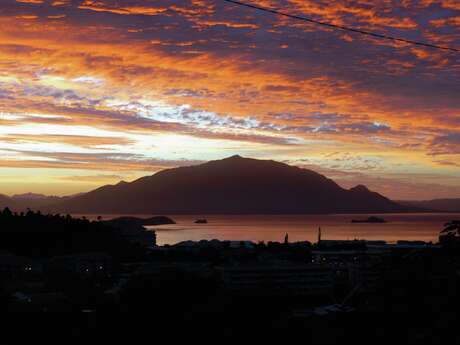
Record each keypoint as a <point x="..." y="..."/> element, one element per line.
<point x="94" y="92"/>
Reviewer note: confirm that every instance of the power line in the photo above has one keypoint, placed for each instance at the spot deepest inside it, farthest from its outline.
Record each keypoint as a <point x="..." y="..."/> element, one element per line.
<point x="341" y="27"/>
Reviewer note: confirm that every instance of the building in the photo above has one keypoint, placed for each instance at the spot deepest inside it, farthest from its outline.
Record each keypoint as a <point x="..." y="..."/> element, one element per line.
<point x="285" y="278"/>
<point x="20" y="272"/>
<point x="216" y="244"/>
<point x="82" y="264"/>
<point x="13" y="266"/>
<point x="364" y="276"/>
<point x="156" y="270"/>
<point x="335" y="257"/>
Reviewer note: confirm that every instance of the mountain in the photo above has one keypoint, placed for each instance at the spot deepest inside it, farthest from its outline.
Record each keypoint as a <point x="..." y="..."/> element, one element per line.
<point x="234" y="185"/>
<point x="27" y="196"/>
<point x="21" y="202"/>
<point x="444" y="205"/>
<point x="5" y="201"/>
<point x="34" y="201"/>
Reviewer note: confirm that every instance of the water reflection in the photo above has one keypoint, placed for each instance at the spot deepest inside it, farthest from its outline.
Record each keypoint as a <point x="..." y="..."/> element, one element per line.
<point x="423" y="227"/>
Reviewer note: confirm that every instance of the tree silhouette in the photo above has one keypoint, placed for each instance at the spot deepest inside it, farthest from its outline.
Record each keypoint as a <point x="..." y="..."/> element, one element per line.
<point x="34" y="234"/>
<point x="7" y="212"/>
<point x="450" y="235"/>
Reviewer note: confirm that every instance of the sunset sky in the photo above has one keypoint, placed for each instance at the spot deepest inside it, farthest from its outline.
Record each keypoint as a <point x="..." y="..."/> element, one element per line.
<point x="94" y="92"/>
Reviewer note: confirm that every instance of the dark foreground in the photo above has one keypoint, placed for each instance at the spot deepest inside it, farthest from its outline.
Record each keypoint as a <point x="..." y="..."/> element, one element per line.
<point x="114" y="287"/>
<point x="379" y="328"/>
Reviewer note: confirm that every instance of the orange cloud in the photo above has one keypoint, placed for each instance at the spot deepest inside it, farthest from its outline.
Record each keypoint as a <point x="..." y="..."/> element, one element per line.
<point x="101" y="6"/>
<point x="31" y="1"/>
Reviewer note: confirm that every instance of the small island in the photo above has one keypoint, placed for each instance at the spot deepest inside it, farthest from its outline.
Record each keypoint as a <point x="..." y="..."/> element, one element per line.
<point x="127" y="222"/>
<point x="201" y="221"/>
<point x="371" y="219"/>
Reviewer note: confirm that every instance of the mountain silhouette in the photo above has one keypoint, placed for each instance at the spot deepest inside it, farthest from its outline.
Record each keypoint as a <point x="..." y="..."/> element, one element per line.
<point x="234" y="185"/>
<point x="22" y="202"/>
<point x="443" y="205"/>
<point x="6" y="201"/>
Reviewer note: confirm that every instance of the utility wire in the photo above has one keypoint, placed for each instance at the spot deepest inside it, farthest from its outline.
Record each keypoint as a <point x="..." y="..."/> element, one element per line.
<point x="341" y="27"/>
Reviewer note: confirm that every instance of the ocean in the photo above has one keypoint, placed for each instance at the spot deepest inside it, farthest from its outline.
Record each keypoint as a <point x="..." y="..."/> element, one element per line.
<point x="413" y="226"/>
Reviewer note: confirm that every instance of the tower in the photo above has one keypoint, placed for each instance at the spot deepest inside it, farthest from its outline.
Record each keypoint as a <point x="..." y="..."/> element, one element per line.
<point x="319" y="235"/>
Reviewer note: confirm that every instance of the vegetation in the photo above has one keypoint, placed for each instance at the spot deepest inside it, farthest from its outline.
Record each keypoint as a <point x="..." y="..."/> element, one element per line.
<point x="450" y="236"/>
<point x="34" y="234"/>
